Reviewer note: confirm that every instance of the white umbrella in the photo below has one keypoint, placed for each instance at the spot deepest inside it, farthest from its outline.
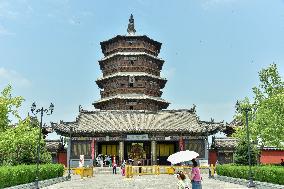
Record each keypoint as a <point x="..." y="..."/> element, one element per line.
<point x="182" y="156"/>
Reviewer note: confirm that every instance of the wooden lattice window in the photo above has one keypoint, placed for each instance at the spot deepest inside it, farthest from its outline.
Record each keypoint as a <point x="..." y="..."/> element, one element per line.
<point x="197" y="145"/>
<point x="80" y="148"/>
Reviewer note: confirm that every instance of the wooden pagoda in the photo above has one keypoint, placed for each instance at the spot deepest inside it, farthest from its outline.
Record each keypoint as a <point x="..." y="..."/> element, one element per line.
<point x="131" y="122"/>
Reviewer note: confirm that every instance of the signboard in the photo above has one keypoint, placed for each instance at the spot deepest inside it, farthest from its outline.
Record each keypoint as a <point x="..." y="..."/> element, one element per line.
<point x="168" y="138"/>
<point x="108" y="138"/>
<point x="132" y="58"/>
<point x="81" y="162"/>
<point x="131" y="79"/>
<point x="137" y="137"/>
<point x="203" y="162"/>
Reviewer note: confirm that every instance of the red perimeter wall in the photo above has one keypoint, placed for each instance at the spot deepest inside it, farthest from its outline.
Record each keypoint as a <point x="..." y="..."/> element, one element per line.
<point x="62" y="158"/>
<point x="267" y="156"/>
<point x="271" y="156"/>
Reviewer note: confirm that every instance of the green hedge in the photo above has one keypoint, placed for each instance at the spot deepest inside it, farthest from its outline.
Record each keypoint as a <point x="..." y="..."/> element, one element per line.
<point x="21" y="174"/>
<point x="263" y="173"/>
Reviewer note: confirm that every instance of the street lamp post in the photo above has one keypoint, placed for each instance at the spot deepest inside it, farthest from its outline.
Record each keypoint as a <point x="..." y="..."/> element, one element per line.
<point x="69" y="161"/>
<point x="41" y="111"/>
<point x="247" y="109"/>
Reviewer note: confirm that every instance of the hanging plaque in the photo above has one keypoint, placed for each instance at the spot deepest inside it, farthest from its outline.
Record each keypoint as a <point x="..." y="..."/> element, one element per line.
<point x="131" y="79"/>
<point x="137" y="137"/>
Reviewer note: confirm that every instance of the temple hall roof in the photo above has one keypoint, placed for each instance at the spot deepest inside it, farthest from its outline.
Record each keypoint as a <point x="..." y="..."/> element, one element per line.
<point x="131" y="121"/>
<point x="231" y="127"/>
<point x="225" y="143"/>
<point x="52" y="145"/>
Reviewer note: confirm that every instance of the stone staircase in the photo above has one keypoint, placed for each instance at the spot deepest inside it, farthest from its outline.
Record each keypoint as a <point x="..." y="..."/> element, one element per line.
<point x="105" y="170"/>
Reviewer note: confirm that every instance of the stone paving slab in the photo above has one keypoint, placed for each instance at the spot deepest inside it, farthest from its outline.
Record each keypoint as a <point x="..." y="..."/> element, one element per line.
<point x="137" y="182"/>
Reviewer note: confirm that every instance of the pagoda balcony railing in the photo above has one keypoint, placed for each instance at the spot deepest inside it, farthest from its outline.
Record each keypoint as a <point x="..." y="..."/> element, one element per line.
<point x="137" y="90"/>
<point x="145" y="69"/>
<point x="131" y="49"/>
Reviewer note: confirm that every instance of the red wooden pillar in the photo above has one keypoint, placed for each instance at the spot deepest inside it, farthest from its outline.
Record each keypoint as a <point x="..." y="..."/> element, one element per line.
<point x="93" y="149"/>
<point x="181" y="144"/>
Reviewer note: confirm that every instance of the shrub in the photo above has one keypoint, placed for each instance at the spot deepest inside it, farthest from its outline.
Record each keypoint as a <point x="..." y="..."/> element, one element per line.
<point x="22" y="174"/>
<point x="263" y="173"/>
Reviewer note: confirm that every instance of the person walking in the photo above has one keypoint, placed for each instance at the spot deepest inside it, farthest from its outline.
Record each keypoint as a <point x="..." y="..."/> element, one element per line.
<point x="140" y="168"/>
<point x="114" y="165"/>
<point x="195" y="176"/>
<point x="182" y="183"/>
<point x="122" y="167"/>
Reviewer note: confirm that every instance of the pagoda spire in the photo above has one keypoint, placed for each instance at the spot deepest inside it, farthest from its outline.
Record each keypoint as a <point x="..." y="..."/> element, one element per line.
<point x="131" y="29"/>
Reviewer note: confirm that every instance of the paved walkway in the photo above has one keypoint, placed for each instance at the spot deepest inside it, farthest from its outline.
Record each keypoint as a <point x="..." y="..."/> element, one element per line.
<point x="138" y="182"/>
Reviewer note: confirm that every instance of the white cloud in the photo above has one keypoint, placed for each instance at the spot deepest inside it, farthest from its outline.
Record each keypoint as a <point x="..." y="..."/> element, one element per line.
<point x="4" y="31"/>
<point x="7" y="11"/>
<point x="15" y="9"/>
<point x="14" y="78"/>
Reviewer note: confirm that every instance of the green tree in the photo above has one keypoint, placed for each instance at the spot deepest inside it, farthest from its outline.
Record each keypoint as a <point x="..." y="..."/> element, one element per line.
<point x="241" y="154"/>
<point x="266" y="120"/>
<point x="18" y="143"/>
<point x="8" y="106"/>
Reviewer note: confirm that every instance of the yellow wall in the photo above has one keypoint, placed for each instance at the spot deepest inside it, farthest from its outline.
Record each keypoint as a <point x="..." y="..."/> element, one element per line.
<point x="165" y="149"/>
<point x="109" y="149"/>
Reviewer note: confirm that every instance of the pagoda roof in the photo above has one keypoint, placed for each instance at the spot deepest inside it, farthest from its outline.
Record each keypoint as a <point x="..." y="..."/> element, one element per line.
<point x="132" y="96"/>
<point x="137" y="121"/>
<point x="126" y="74"/>
<point x="130" y="54"/>
<point x="146" y="38"/>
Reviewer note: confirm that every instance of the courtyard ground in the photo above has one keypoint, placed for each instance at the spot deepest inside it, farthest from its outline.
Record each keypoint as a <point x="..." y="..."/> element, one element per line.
<point x="102" y="181"/>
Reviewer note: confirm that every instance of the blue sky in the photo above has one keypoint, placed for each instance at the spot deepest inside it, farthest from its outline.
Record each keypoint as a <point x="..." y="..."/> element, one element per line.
<point x="213" y="49"/>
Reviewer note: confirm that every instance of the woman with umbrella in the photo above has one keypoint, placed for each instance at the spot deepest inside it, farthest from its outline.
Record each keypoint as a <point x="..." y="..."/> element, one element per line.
<point x="195" y="176"/>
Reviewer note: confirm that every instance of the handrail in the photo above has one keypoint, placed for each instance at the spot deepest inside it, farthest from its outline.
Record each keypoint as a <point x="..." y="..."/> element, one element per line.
<point x="130" y="170"/>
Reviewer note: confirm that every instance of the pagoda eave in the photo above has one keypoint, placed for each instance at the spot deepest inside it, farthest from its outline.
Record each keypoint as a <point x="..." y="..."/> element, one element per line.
<point x="130" y="54"/>
<point x="162" y="81"/>
<point x="113" y="99"/>
<point x="116" y="38"/>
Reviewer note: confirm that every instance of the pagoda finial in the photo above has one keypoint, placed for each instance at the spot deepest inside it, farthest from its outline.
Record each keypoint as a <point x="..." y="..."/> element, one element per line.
<point x="131" y="29"/>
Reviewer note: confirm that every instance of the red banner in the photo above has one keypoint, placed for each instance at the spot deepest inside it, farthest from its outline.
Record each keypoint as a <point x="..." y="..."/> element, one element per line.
<point x="181" y="144"/>
<point x="93" y="149"/>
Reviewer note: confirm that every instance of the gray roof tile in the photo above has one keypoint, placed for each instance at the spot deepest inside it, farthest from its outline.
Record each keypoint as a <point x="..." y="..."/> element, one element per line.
<point x="117" y="121"/>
